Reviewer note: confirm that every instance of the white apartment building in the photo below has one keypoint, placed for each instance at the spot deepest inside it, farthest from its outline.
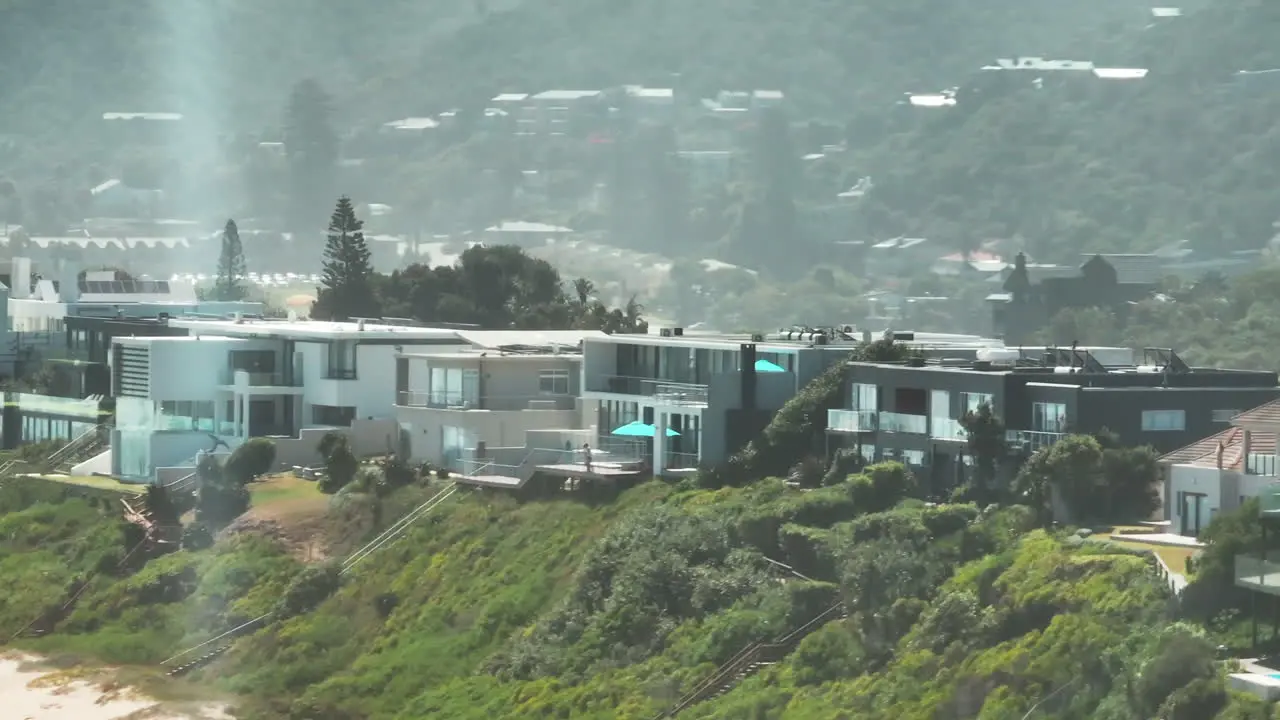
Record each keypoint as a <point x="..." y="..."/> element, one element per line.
<point x="229" y="380"/>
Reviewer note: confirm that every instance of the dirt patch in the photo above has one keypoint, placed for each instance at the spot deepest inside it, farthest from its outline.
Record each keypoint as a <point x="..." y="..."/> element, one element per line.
<point x="288" y="510"/>
<point x="302" y="535"/>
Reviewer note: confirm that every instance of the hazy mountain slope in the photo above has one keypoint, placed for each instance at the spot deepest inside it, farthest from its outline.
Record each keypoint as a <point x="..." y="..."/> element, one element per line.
<point x="236" y="58"/>
<point x="1189" y="152"/>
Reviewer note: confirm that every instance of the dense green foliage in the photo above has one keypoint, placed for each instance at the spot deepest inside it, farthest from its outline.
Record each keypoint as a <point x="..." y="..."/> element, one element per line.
<point x="489" y="608"/>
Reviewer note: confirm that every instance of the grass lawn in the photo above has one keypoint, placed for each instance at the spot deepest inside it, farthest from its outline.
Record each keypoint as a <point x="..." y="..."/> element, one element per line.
<point x="284" y="490"/>
<point x="1174" y="557"/>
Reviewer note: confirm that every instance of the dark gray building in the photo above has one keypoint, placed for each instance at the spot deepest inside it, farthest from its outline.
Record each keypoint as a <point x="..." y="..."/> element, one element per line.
<point x="910" y="411"/>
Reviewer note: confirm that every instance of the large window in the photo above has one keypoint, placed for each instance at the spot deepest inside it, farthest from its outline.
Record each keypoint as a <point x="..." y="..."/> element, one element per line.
<point x="1157" y="420"/>
<point x="970" y="402"/>
<point x="862" y="396"/>
<point x="1049" y="417"/>
<point x="342" y="360"/>
<point x="553" y="382"/>
<point x="453" y="387"/>
<point x="334" y="416"/>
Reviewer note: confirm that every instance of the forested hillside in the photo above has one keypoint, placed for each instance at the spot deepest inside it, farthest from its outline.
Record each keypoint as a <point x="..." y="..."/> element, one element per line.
<point x="1065" y="162"/>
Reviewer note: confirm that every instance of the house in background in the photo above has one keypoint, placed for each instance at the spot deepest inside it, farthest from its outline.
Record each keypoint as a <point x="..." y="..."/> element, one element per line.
<point x="1033" y="295"/>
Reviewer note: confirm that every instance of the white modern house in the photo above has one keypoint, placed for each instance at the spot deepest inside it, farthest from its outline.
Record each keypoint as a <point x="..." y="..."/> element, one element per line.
<point x="229" y="380"/>
<point x="497" y="402"/>
<point x="1218" y="473"/>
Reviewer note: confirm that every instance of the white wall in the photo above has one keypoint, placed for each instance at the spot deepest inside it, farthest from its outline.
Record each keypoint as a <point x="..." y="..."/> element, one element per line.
<point x="191" y="369"/>
<point x="1190" y="478"/>
<point x="372" y="393"/>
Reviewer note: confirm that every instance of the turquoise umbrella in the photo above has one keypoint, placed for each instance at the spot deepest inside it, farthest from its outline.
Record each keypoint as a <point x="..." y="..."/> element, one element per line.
<point x="640" y="429"/>
<point x="635" y="429"/>
<point x="763" y="366"/>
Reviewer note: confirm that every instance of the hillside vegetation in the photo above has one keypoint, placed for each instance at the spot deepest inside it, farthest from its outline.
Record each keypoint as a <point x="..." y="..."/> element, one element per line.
<point x="1063" y="163"/>
<point x="490" y="608"/>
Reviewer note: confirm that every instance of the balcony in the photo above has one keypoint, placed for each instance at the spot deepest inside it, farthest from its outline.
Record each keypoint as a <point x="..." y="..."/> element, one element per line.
<point x="258" y="378"/>
<point x="672" y="393"/>
<point x="903" y="423"/>
<point x="1269" y="501"/>
<point x="1255" y="573"/>
<point x="851" y="421"/>
<point x="470" y="401"/>
<point x="947" y="429"/>
<point x="1031" y="440"/>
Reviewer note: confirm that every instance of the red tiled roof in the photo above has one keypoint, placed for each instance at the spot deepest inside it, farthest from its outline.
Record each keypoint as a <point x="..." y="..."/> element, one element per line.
<point x="1268" y="414"/>
<point x="1204" y="452"/>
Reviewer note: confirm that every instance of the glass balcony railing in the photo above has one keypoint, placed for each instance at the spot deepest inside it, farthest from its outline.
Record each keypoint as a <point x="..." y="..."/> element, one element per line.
<point x="675" y="393"/>
<point x="903" y="423"/>
<point x="947" y="429"/>
<point x="1269" y="500"/>
<point x="1258" y="574"/>
<point x="851" y="420"/>
<point x="1031" y="440"/>
<point x="470" y="401"/>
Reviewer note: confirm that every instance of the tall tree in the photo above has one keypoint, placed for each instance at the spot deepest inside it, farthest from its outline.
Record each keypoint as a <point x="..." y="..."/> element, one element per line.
<point x="347" y="283"/>
<point x="311" y="149"/>
<point x="229" y="284"/>
<point x="767" y="231"/>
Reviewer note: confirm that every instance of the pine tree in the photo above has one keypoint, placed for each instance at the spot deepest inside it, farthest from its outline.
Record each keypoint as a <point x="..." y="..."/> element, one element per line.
<point x="229" y="283"/>
<point x="346" y="287"/>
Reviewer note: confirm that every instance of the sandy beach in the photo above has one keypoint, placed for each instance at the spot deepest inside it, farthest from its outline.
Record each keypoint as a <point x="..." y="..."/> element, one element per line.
<point x="31" y="692"/>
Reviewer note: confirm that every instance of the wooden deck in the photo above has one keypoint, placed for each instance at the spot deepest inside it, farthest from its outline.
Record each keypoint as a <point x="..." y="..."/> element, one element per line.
<point x="606" y="471"/>
<point x="599" y="471"/>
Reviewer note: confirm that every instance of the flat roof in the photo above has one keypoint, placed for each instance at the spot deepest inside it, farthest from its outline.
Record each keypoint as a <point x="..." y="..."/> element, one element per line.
<point x="478" y="354"/>
<point x="493" y="339"/>
<point x="314" y="330"/>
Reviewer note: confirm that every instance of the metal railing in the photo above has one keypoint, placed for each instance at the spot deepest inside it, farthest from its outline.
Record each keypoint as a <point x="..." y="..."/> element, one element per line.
<point x="340" y="374"/>
<point x="472" y="401"/>
<point x="852" y="420"/>
<point x="1256" y="573"/>
<point x="681" y="461"/>
<point x="1032" y="440"/>
<point x="675" y="393"/>
<point x="216" y="645"/>
<point x="904" y="423"/>
<point x="728" y="672"/>
<point x="947" y="429"/>
<point x="88" y="440"/>
<point x="260" y="378"/>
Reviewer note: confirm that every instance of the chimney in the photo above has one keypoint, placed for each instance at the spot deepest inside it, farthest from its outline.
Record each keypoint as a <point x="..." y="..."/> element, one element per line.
<point x="1221" y="449"/>
<point x="360" y="325"/>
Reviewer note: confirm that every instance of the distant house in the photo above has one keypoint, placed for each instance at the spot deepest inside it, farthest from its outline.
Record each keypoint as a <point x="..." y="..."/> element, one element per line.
<point x="524" y="233"/>
<point x="979" y="262"/>
<point x="1040" y="64"/>
<point x="898" y="257"/>
<point x="1034" y="294"/>
<point x="115" y="199"/>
